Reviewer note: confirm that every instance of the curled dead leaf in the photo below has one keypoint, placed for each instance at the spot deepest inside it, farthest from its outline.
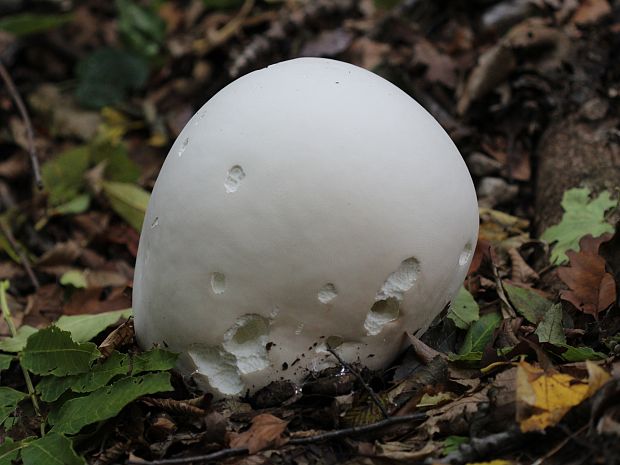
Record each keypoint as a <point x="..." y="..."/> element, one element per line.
<point x="266" y="431"/>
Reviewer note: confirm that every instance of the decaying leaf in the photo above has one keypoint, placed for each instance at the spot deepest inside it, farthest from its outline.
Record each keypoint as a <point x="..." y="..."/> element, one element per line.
<point x="544" y="397"/>
<point x="266" y="431"/>
<point x="121" y="336"/>
<point x="550" y="328"/>
<point x="527" y="302"/>
<point x="581" y="216"/>
<point x="592" y="289"/>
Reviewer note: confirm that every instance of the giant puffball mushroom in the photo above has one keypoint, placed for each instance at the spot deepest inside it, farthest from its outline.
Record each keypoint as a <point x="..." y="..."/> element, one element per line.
<point x="308" y="205"/>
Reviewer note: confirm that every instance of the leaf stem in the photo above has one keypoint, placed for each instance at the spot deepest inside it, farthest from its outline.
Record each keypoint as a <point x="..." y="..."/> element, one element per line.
<point x="6" y="313"/>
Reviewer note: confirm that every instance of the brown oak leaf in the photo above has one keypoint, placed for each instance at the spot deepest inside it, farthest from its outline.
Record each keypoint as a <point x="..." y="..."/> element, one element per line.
<point x="266" y="431"/>
<point x="591" y="288"/>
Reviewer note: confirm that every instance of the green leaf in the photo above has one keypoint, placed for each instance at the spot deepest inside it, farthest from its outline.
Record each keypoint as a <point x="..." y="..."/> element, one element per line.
<point x="52" y="449"/>
<point x="85" y="327"/>
<point x="52" y="387"/>
<point x="452" y="443"/>
<point x="550" y="328"/>
<point x="580" y="354"/>
<point x="9" y="398"/>
<point x="478" y="337"/>
<point x="9" y="450"/>
<point x="51" y="351"/>
<point x="63" y="176"/>
<point x="17" y="343"/>
<point x="528" y="303"/>
<point x="107" y="75"/>
<point x="106" y="402"/>
<point x="129" y="201"/>
<point x="153" y="360"/>
<point x="463" y="310"/>
<point x="25" y="24"/>
<point x="78" y="204"/>
<point x="118" y="166"/>
<point x="141" y="28"/>
<point x="5" y="361"/>
<point x="75" y="278"/>
<point x="581" y="216"/>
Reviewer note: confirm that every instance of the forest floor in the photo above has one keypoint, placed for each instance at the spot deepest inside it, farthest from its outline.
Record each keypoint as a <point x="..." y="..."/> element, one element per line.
<point x="521" y="369"/>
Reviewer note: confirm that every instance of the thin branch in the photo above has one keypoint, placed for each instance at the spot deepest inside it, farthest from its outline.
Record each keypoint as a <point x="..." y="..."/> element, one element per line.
<point x="337" y="434"/>
<point x="19" y="103"/>
<point x="355" y="430"/>
<point x="6" y="313"/>
<point x="20" y="253"/>
<point x="367" y="388"/>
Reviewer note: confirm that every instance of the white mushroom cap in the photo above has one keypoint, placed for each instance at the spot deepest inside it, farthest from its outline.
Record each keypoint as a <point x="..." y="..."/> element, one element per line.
<point x="307" y="202"/>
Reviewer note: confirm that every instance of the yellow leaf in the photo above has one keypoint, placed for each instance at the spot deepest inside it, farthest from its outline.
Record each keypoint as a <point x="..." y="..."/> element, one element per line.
<point x="544" y="397"/>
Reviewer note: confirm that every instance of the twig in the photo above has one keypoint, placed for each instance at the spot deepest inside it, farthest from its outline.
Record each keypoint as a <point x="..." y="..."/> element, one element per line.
<point x="366" y="387"/>
<point x="22" y="256"/>
<point x="203" y="46"/>
<point x="19" y="103"/>
<point x="237" y="451"/>
<point x="480" y="447"/>
<point x="6" y="313"/>
<point x="220" y="454"/>
<point x="559" y="446"/>
<point x="355" y="430"/>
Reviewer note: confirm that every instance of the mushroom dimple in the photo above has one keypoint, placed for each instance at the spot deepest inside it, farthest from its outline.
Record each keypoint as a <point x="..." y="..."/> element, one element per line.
<point x="387" y="301"/>
<point x="218" y="282"/>
<point x="234" y="178"/>
<point x="465" y="254"/>
<point x="327" y="293"/>
<point x="155" y="222"/>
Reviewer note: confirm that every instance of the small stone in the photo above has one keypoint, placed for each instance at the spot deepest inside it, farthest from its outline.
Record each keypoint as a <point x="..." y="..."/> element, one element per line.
<point x="481" y="165"/>
<point x="495" y="191"/>
<point x="595" y="109"/>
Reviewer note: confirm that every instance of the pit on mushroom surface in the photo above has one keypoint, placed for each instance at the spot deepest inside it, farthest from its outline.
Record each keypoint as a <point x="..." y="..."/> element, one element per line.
<point x="319" y="200"/>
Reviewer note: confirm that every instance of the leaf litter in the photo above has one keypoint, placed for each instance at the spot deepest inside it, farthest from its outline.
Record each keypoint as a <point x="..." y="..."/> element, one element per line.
<point x="525" y="352"/>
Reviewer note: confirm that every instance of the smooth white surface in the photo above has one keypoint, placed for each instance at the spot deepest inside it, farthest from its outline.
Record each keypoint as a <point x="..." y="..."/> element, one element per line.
<point x="294" y="201"/>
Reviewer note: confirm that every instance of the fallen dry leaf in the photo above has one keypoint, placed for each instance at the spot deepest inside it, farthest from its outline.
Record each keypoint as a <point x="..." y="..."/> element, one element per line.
<point x="521" y="272"/>
<point x="439" y="67"/>
<point x="455" y="417"/>
<point x="592" y="289"/>
<point x="591" y="12"/>
<point x="544" y="397"/>
<point x="121" y="336"/>
<point x="266" y="431"/>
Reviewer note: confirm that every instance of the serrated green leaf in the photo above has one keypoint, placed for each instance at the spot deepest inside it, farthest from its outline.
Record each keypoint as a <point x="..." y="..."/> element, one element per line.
<point x="17" y="343"/>
<point x="550" y="328"/>
<point x="9" y="398"/>
<point x="581" y="216"/>
<point x="9" y="450"/>
<point x="25" y="24"/>
<point x="63" y="176"/>
<point x="153" y="360"/>
<point x="580" y="354"/>
<point x="106" y="402"/>
<point x="52" y="449"/>
<point x="85" y="327"/>
<point x="528" y="303"/>
<point x="5" y="361"/>
<point x="51" y="351"/>
<point x="107" y="75"/>
<point x="478" y="337"/>
<point x="129" y="201"/>
<point x="52" y="387"/>
<point x="463" y="310"/>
